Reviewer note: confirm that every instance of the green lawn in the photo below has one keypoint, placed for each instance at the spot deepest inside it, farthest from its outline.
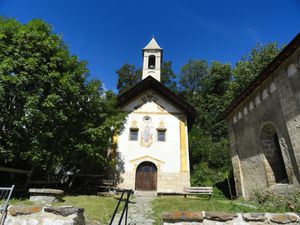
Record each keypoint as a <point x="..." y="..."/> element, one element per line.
<point x="163" y="204"/>
<point x="96" y="208"/>
<point x="99" y="208"/>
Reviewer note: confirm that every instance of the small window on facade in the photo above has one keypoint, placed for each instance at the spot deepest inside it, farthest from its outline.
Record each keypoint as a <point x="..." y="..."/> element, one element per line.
<point x="161" y="135"/>
<point x="151" y="62"/>
<point x="147" y="119"/>
<point x="133" y="135"/>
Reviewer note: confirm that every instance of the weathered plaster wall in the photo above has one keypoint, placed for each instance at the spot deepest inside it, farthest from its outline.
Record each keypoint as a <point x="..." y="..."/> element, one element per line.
<point x="170" y="157"/>
<point x="275" y="102"/>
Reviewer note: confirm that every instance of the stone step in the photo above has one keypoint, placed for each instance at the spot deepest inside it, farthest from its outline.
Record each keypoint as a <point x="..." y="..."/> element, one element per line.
<point x="145" y="193"/>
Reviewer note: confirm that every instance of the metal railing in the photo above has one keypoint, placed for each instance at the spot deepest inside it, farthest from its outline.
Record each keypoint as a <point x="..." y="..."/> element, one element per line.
<point x="125" y="207"/>
<point x="5" y="195"/>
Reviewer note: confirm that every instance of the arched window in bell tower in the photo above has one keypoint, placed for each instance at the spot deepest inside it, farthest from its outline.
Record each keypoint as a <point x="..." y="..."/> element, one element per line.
<point x="151" y="62"/>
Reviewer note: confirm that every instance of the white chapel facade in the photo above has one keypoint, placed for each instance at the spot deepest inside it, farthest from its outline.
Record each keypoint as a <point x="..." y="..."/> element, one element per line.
<point x="153" y="147"/>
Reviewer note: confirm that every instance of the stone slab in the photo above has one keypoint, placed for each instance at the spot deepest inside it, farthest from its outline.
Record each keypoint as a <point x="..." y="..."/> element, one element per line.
<point x="219" y="216"/>
<point x="23" y="210"/>
<point x="63" y="210"/>
<point x="46" y="191"/>
<point x="187" y="216"/>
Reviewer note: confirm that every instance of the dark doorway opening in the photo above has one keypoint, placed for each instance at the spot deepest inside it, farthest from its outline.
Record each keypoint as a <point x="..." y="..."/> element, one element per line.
<point x="275" y="168"/>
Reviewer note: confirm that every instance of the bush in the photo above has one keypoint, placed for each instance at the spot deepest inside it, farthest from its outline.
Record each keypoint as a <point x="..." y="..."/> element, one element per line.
<point x="268" y="201"/>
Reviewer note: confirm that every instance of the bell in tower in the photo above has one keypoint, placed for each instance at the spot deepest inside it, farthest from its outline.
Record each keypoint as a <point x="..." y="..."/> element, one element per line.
<point x="152" y="59"/>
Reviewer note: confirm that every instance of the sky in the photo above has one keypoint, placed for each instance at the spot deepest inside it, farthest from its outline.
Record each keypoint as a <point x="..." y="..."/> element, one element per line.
<point x="108" y="34"/>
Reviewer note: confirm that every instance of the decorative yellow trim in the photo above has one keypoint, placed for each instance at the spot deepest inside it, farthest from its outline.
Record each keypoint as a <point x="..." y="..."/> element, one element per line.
<point x="114" y="145"/>
<point x="137" y="161"/>
<point x="134" y="124"/>
<point x="146" y="157"/>
<point x="183" y="147"/>
<point x="158" y="113"/>
<point x="161" y="125"/>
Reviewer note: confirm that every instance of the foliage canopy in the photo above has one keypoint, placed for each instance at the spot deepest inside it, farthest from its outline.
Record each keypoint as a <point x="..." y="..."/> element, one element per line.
<point x="50" y="114"/>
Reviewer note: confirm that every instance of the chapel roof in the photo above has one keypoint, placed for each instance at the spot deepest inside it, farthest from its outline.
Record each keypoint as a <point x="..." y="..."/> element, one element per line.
<point x="265" y="73"/>
<point x="151" y="83"/>
<point x="152" y="45"/>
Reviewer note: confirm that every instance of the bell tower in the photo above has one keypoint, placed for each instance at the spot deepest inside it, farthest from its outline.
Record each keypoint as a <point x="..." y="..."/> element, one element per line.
<point x="152" y="59"/>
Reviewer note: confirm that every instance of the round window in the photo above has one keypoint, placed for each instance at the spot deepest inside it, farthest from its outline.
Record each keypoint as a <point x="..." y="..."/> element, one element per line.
<point x="147" y="119"/>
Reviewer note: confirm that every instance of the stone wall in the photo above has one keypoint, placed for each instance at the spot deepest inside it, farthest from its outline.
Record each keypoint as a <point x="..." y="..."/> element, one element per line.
<point x="166" y="182"/>
<point x="218" y="218"/>
<point x="261" y="160"/>
<point x="47" y="215"/>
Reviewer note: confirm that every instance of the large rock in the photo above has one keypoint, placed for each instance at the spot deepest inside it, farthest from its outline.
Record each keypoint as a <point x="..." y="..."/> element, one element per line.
<point x="186" y="216"/>
<point x="254" y="217"/>
<point x="219" y="216"/>
<point x="63" y="210"/>
<point x="16" y="210"/>
<point x="284" y="218"/>
<point x="65" y="216"/>
<point x="44" y="195"/>
<point x="46" y="191"/>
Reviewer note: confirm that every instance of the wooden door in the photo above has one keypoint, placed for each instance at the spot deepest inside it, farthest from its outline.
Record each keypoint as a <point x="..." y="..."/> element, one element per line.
<point x="146" y="177"/>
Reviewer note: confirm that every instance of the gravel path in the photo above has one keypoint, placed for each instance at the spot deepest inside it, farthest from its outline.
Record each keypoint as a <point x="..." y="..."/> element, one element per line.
<point x="139" y="212"/>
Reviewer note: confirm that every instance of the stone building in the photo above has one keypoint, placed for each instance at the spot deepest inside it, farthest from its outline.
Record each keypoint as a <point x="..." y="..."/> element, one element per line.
<point x="153" y="147"/>
<point x="264" y="126"/>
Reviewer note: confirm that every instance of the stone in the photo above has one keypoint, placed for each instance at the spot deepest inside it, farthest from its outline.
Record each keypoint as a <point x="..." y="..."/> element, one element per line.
<point x="219" y="216"/>
<point x="63" y="210"/>
<point x="43" y="199"/>
<point x="186" y="216"/>
<point x="46" y="191"/>
<point x="44" y="195"/>
<point x="33" y="222"/>
<point x="274" y="162"/>
<point x="284" y="218"/>
<point x="254" y="217"/>
<point x="23" y="210"/>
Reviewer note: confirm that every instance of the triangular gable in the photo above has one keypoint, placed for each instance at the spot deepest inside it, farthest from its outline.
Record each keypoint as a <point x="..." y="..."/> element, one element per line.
<point x="151" y="101"/>
<point x="151" y="83"/>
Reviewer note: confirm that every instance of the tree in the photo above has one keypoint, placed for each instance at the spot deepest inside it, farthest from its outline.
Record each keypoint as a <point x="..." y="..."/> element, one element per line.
<point x="128" y="76"/>
<point x="251" y="65"/>
<point x="50" y="115"/>
<point x="204" y="85"/>
<point x="168" y="77"/>
<point x="191" y="76"/>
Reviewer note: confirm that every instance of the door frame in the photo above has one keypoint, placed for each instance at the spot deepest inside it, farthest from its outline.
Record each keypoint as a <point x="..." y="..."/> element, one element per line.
<point x="154" y="174"/>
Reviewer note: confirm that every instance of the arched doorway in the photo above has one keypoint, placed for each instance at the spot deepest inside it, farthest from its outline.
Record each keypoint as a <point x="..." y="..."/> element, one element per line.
<point x="275" y="168"/>
<point x="146" y="177"/>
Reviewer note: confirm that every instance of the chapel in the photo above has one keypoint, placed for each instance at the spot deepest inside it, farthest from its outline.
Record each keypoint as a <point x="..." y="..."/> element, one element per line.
<point x="264" y="127"/>
<point x="153" y="148"/>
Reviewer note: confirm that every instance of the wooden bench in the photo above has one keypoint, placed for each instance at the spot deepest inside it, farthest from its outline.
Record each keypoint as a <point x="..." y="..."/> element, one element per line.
<point x="198" y="191"/>
<point x="190" y="191"/>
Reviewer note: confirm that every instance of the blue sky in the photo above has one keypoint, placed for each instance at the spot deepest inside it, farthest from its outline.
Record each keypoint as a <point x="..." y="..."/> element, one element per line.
<point x="110" y="33"/>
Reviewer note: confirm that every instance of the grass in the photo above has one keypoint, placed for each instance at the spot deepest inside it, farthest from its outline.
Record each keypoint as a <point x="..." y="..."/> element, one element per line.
<point x="100" y="208"/>
<point x="163" y="204"/>
<point x="96" y="208"/>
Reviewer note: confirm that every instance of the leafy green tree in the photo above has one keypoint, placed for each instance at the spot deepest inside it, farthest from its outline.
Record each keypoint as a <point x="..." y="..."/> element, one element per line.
<point x="251" y="65"/>
<point x="191" y="76"/>
<point x="204" y="85"/>
<point x="50" y="114"/>
<point x="168" y="77"/>
<point x="128" y="76"/>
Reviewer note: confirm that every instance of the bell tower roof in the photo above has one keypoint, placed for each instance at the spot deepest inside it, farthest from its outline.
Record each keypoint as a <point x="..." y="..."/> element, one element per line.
<point x="152" y="45"/>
